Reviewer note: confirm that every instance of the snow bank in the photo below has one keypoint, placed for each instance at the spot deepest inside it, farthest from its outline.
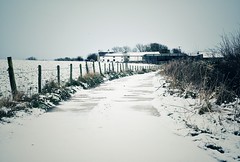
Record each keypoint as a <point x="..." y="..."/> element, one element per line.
<point x="217" y="132"/>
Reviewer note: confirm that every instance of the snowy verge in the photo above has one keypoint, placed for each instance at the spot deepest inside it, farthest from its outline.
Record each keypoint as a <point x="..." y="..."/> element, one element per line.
<point x="218" y="131"/>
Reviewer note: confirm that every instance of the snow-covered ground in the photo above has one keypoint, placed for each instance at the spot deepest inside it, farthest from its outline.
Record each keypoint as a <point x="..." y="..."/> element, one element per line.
<point x="131" y="119"/>
<point x="26" y="73"/>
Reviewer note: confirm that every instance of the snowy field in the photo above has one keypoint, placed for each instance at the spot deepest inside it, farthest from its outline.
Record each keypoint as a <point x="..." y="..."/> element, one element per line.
<point x="131" y="119"/>
<point x="26" y="73"/>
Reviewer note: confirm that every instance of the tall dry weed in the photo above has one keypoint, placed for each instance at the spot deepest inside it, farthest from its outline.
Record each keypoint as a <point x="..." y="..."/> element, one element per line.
<point x="203" y="77"/>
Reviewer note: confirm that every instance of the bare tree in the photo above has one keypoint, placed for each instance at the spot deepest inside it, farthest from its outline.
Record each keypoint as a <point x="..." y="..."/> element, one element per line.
<point x="92" y="57"/>
<point x="134" y="50"/>
<point x="147" y="48"/>
<point x="141" y="48"/>
<point x="118" y="49"/>
<point x="126" y="48"/>
<point x="230" y="46"/>
<point x="176" y="50"/>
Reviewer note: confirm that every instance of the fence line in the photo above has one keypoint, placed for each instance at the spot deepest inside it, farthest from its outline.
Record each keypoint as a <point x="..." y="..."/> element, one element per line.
<point x="59" y="74"/>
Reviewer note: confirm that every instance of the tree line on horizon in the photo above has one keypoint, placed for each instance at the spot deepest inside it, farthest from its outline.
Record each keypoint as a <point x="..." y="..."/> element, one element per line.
<point x="152" y="47"/>
<point x="92" y="56"/>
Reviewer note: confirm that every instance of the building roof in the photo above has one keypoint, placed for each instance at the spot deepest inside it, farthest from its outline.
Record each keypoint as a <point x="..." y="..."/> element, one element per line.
<point x="210" y="54"/>
<point x="141" y="53"/>
<point x="166" y="54"/>
<point x="115" y="54"/>
<point x="133" y="54"/>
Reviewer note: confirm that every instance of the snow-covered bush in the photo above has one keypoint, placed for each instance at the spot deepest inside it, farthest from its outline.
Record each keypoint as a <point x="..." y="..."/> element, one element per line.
<point x="90" y="80"/>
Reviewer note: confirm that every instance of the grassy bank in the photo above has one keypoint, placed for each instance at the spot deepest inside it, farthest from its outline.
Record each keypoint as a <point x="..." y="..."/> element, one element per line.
<point x="208" y="79"/>
<point x="213" y="82"/>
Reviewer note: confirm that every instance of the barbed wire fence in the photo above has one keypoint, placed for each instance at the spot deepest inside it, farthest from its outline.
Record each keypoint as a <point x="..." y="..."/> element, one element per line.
<point x="31" y="79"/>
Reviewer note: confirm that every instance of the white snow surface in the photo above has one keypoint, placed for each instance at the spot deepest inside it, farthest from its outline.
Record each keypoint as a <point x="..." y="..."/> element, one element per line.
<point x="125" y="120"/>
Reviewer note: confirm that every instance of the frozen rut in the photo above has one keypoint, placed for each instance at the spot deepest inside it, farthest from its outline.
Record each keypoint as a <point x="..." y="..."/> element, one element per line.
<point x="115" y="122"/>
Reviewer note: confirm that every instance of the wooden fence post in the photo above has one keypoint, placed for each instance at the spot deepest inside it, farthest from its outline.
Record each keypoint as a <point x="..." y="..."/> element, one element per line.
<point x="112" y="66"/>
<point x="12" y="77"/>
<point x="87" y="70"/>
<point x="80" y="66"/>
<point x="109" y="67"/>
<point x="93" y="67"/>
<point x="39" y="78"/>
<point x="120" y="67"/>
<point x="58" y="74"/>
<point x="105" y="68"/>
<point x="100" y="69"/>
<point x="117" y="68"/>
<point x="71" y="74"/>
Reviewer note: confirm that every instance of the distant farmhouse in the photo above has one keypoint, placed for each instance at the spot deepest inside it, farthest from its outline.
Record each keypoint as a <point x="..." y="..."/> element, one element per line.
<point x="137" y="57"/>
<point x="210" y="54"/>
<point x="155" y="58"/>
<point x="206" y="55"/>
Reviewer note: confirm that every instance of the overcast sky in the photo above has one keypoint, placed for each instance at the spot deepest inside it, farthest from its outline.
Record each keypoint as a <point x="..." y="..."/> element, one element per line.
<point x="49" y="29"/>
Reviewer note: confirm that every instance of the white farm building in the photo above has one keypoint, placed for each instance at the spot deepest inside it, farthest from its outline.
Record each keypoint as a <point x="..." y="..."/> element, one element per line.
<point x="123" y="57"/>
<point x="113" y="57"/>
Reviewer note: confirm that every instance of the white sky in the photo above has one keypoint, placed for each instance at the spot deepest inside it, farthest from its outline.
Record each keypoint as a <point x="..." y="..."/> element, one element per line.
<point x="49" y="29"/>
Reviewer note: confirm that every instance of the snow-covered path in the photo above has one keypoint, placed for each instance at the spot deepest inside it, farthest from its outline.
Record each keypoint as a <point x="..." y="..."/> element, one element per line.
<point x="115" y="122"/>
